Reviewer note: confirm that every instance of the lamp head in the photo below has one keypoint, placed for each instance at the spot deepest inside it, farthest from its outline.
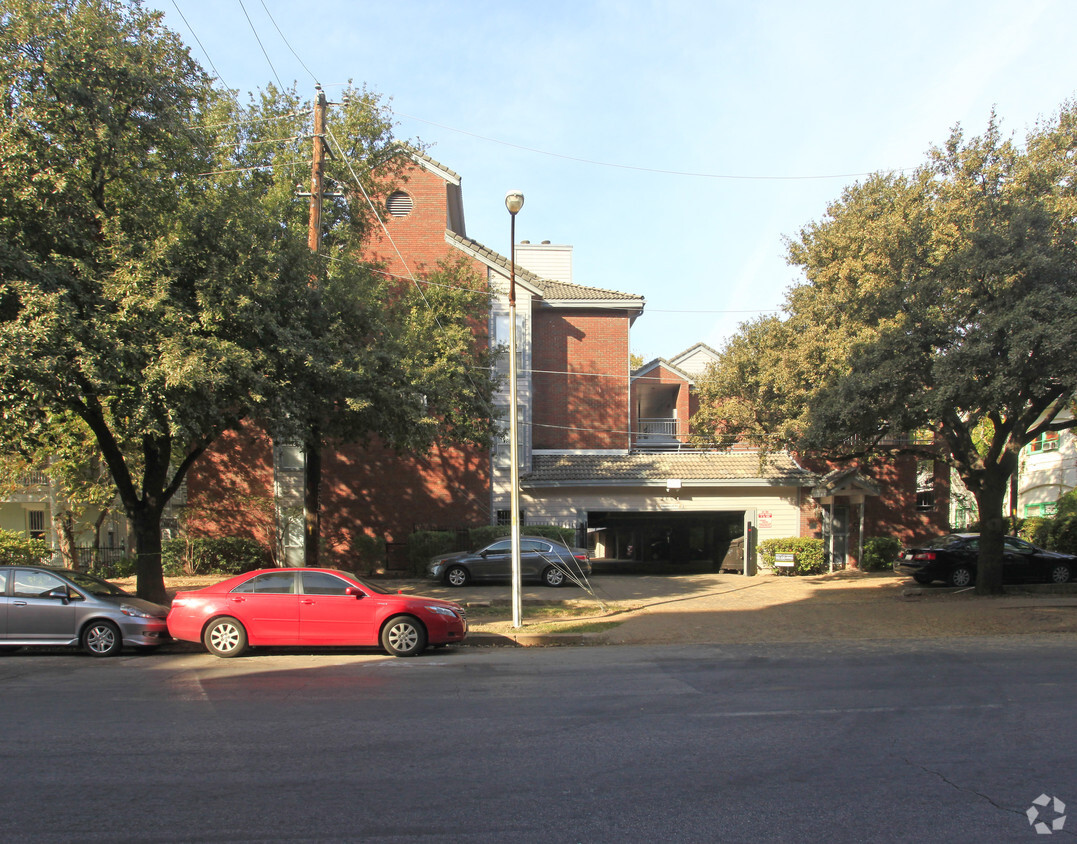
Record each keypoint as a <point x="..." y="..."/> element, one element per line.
<point x="514" y="201"/>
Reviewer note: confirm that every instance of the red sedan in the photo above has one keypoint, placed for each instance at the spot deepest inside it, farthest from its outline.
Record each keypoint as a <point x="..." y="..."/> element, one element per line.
<point x="311" y="607"/>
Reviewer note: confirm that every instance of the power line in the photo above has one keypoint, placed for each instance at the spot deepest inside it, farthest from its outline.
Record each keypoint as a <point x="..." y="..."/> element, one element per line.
<point x="634" y="167"/>
<point x="259" y="40"/>
<point x="286" y="44"/>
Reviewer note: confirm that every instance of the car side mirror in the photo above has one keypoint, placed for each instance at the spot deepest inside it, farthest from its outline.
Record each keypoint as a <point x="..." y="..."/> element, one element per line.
<point x="355" y="592"/>
<point x="60" y="592"/>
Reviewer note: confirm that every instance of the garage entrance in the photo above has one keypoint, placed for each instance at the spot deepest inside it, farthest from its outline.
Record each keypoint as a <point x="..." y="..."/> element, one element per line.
<point x="667" y="537"/>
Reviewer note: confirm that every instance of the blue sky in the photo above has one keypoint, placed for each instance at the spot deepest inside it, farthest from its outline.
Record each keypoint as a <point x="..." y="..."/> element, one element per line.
<point x="672" y="144"/>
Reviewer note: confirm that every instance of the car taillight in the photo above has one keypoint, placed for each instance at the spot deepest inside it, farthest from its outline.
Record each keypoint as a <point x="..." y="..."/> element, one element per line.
<point x="580" y="557"/>
<point x="924" y="556"/>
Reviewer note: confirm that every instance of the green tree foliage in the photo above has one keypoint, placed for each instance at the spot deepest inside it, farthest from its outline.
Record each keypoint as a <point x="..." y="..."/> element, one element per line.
<point x="942" y="299"/>
<point x="64" y="451"/>
<point x="155" y="278"/>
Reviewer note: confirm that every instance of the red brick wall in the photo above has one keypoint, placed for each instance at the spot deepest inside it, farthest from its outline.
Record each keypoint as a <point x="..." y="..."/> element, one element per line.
<point x="583" y="401"/>
<point x="230" y="489"/>
<point x="371" y="490"/>
<point x="893" y="512"/>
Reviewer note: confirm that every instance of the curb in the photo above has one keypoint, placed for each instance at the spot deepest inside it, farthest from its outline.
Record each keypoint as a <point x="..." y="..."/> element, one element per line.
<point x="527" y="640"/>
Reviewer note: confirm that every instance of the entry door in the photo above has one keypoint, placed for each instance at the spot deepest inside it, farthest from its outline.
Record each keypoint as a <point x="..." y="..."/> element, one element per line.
<point x="839" y="528"/>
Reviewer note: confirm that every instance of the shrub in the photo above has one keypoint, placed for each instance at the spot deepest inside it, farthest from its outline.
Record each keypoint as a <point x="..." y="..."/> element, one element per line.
<point x="368" y="553"/>
<point x="1035" y="529"/>
<point x="880" y="553"/>
<point x="810" y="558"/>
<point x="218" y="555"/>
<point x="16" y="549"/>
<point x="1062" y="534"/>
<point x="424" y="544"/>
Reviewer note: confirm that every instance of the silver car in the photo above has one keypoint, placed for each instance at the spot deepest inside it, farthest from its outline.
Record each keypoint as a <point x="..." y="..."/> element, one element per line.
<point x="47" y="606"/>
<point x="547" y="560"/>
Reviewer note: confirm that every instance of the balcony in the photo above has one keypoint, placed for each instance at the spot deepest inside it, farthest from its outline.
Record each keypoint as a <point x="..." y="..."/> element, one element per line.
<point x="658" y="434"/>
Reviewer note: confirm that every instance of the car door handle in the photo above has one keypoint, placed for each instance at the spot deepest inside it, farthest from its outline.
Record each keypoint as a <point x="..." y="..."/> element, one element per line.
<point x="306" y="601"/>
<point x="18" y="603"/>
<point x="237" y="600"/>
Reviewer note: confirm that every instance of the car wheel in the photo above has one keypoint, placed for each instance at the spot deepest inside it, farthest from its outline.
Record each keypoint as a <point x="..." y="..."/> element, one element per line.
<point x="403" y="636"/>
<point x="922" y="579"/>
<point x="1059" y="574"/>
<point x="961" y="576"/>
<point x="102" y="638"/>
<point x="553" y="576"/>
<point x="225" y="637"/>
<point x="457" y="576"/>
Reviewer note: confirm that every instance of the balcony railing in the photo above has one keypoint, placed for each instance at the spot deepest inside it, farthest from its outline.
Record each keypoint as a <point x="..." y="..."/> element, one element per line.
<point x="658" y="433"/>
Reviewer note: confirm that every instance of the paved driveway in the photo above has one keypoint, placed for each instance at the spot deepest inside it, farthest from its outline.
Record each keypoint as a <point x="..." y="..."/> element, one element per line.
<point x="712" y="608"/>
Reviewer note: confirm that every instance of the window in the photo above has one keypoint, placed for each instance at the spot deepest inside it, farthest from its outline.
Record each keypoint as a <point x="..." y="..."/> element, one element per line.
<point x="1047" y="441"/>
<point x="275" y="583"/>
<point x="290" y="458"/>
<point x="320" y="583"/>
<point x="35" y="584"/>
<point x="925" y="485"/>
<point x="504" y="517"/>
<point x="36" y="523"/>
<point x="1044" y="510"/>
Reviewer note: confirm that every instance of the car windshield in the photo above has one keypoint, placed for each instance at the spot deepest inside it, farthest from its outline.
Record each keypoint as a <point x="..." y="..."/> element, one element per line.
<point x="93" y="585"/>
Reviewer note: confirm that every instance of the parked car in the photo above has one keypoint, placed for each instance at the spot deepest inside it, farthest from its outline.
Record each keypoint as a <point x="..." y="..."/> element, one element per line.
<point x="40" y="605"/>
<point x="546" y="560"/>
<point x="305" y="606"/>
<point x="953" y="559"/>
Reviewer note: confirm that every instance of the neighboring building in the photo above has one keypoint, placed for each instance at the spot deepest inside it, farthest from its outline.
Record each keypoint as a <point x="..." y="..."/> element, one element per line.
<point x="602" y="449"/>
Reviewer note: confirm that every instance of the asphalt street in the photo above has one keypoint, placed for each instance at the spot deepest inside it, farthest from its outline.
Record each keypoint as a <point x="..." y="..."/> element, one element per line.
<point x="887" y="740"/>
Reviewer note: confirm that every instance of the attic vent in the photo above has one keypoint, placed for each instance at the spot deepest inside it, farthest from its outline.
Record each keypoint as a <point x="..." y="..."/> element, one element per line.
<point x="399" y="204"/>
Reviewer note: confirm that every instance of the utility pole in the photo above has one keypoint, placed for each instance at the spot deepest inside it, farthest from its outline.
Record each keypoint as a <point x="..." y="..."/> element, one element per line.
<point x="312" y="464"/>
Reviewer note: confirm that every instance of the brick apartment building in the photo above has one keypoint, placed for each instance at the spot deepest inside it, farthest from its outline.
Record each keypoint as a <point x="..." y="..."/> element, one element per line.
<point x="602" y="448"/>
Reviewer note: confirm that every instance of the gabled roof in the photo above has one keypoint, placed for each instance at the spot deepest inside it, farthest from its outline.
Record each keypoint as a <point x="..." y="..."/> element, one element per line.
<point x="550" y="291"/>
<point x="697" y="468"/>
<point x="695" y="351"/>
<point x="661" y="363"/>
<point x="844" y="482"/>
<point x="428" y="163"/>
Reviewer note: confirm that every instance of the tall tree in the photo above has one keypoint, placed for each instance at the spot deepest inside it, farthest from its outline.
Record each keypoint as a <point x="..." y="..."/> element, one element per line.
<point x="153" y="279"/>
<point x="943" y="299"/>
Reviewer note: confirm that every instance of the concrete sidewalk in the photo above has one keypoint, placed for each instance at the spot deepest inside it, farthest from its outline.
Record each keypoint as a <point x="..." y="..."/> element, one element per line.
<point x="714" y="608"/>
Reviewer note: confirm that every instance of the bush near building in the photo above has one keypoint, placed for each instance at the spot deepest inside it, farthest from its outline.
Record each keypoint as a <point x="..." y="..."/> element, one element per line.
<point x="880" y="553"/>
<point x="221" y="555"/>
<point x="809" y="555"/>
<point x="16" y="549"/>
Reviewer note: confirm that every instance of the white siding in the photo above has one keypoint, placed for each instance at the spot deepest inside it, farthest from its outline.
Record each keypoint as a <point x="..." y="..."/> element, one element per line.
<point x="572" y="504"/>
<point x="546" y="260"/>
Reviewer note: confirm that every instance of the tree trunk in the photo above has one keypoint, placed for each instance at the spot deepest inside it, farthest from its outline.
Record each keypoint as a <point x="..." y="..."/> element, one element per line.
<point x="65" y="538"/>
<point x="991" y="499"/>
<point x="151" y="582"/>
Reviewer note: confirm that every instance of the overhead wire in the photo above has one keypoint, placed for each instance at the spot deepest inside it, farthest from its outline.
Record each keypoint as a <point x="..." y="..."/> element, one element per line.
<point x="259" y="40"/>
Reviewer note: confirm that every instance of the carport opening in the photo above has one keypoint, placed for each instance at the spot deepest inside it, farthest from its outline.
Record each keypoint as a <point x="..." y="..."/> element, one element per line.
<point x="676" y="538"/>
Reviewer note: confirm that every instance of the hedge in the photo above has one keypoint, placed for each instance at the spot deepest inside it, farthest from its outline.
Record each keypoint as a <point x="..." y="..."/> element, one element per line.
<point x="16" y="549"/>
<point x="220" y="555"/>
<point x="809" y="553"/>
<point x="880" y="552"/>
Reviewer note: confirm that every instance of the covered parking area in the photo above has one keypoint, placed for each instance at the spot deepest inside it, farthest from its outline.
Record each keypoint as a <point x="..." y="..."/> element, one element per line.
<point x="667" y="537"/>
<point x="678" y="508"/>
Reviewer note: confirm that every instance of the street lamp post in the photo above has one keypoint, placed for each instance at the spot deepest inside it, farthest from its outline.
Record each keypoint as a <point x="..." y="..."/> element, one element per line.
<point x="514" y="201"/>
